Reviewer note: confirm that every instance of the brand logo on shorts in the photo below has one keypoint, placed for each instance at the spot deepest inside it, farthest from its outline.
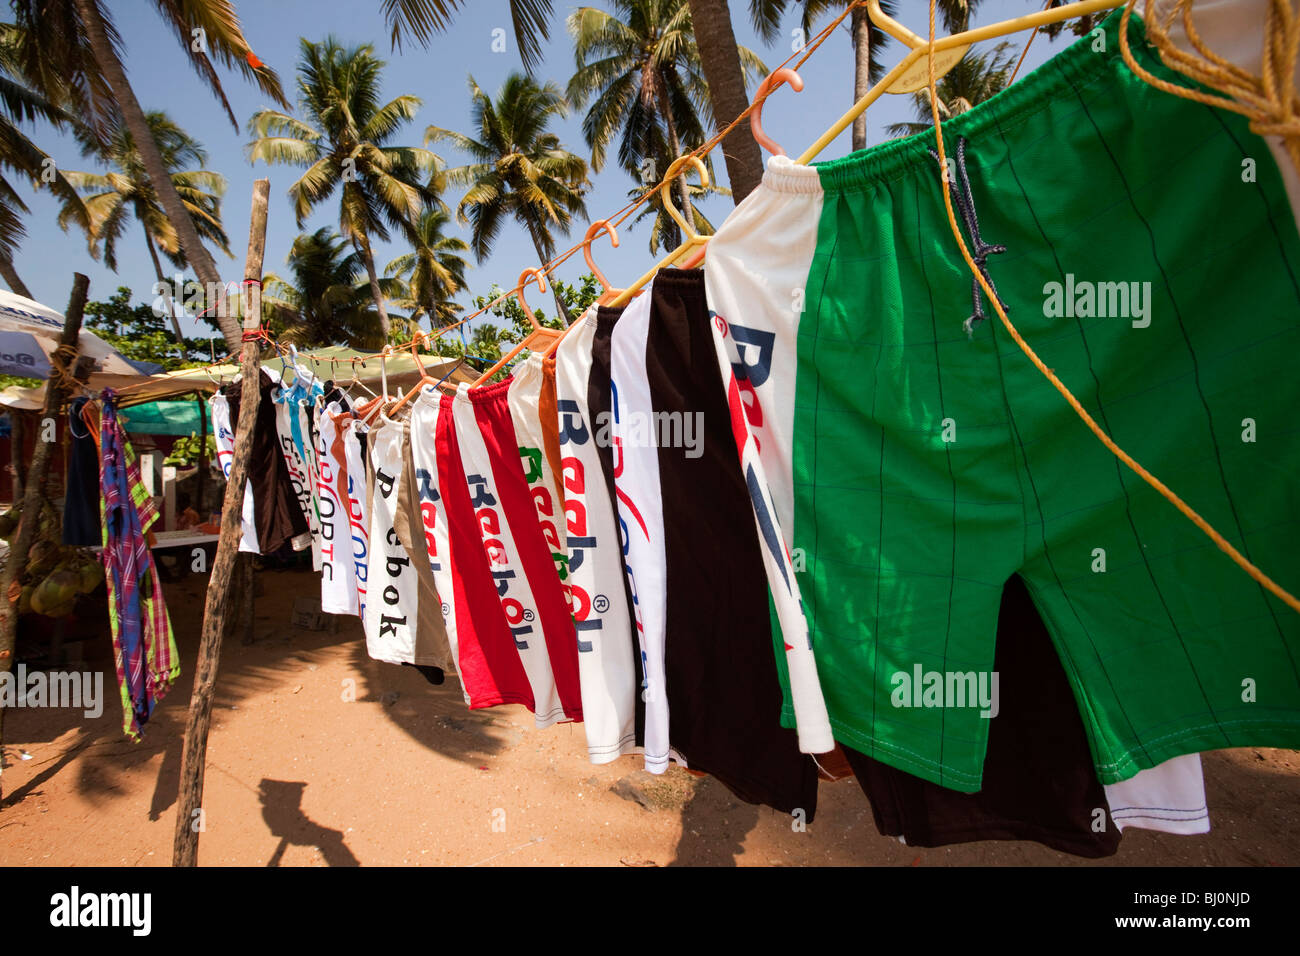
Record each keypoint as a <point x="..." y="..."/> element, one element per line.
<point x="922" y="688"/>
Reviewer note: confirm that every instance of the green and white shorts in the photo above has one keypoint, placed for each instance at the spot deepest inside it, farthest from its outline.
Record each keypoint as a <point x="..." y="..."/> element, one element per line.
<point x="915" y="459"/>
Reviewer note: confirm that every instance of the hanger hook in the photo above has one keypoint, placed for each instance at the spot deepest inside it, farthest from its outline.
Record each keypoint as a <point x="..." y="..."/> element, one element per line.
<point x="594" y="230"/>
<point x="665" y="190"/>
<point x="771" y="82"/>
<point x="524" y="278"/>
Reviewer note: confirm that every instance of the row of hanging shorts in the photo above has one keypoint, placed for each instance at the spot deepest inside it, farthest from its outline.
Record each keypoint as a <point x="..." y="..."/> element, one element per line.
<point x="814" y="498"/>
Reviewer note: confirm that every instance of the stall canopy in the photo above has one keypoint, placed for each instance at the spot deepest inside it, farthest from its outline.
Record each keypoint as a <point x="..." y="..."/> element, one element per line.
<point x="327" y="363"/>
<point x="334" y="363"/>
<point x="167" y="417"/>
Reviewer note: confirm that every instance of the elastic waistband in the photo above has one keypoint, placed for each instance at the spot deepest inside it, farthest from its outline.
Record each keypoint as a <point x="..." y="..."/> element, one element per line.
<point x="1051" y="82"/>
<point x="784" y="175"/>
<point x="486" y="393"/>
<point x="607" y="315"/>
<point x="429" y="397"/>
<point x="679" y="281"/>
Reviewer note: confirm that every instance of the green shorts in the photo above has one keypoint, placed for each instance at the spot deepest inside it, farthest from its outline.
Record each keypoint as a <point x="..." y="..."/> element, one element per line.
<point x="1143" y="245"/>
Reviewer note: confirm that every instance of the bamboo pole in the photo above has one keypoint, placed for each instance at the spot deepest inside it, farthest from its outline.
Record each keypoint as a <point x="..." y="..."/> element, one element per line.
<point x="189" y="802"/>
<point x="56" y="392"/>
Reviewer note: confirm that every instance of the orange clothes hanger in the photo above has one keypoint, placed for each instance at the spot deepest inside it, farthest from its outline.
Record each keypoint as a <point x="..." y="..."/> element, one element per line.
<point x="425" y="377"/>
<point x="538" y="337"/>
<point x="594" y="230"/>
<point x="771" y="82"/>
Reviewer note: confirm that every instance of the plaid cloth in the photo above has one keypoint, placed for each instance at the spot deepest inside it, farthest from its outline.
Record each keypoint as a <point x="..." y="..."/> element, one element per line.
<point x="144" y="649"/>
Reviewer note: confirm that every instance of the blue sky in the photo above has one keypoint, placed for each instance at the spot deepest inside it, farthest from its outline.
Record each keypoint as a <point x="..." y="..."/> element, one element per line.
<point x="162" y="78"/>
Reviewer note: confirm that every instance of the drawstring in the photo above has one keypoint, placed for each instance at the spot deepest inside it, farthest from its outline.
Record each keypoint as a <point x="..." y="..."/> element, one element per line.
<point x="981" y="250"/>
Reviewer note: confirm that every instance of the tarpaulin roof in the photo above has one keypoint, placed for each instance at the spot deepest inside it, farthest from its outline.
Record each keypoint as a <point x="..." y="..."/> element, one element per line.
<point x="167" y="417"/>
<point x="334" y="362"/>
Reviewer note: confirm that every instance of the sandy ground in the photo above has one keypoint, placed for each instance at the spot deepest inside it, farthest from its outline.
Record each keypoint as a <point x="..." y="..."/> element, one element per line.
<point x="403" y="773"/>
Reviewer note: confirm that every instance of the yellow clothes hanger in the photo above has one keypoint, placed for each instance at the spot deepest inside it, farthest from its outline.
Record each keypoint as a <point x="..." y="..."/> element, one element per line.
<point x="609" y="294"/>
<point x="693" y="238"/>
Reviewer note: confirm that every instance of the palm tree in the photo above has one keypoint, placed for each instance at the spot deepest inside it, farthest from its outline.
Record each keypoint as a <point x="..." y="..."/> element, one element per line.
<point x="74" y="48"/>
<point x="868" y="39"/>
<point x="640" y="69"/>
<point x="113" y="198"/>
<point x="326" y="300"/>
<point x="19" y="104"/>
<point x="975" y="78"/>
<point x="422" y="18"/>
<point x="433" y="273"/>
<point x="517" y="169"/>
<point x="728" y="95"/>
<point x="345" y="139"/>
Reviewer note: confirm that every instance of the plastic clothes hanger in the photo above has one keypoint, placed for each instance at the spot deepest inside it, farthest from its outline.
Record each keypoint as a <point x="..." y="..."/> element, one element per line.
<point x="425" y="377"/>
<point x="770" y="83"/>
<point x="693" y="238"/>
<point x="534" y="340"/>
<point x="609" y="294"/>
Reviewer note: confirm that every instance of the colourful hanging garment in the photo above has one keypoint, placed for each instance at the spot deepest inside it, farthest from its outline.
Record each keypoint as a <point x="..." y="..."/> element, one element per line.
<point x="144" y="649"/>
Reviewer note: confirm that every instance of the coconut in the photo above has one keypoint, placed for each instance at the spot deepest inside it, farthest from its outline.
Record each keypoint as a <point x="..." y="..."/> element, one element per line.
<point x="25" y="600"/>
<point x="56" y="592"/>
<point x="8" y="524"/>
<point x="92" y="572"/>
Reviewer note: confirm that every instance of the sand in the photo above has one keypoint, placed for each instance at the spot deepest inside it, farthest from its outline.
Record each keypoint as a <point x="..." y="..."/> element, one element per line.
<point x="319" y="756"/>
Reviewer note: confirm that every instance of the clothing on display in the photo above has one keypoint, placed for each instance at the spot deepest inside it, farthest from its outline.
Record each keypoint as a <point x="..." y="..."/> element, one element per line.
<point x="720" y="678"/>
<point x="597" y="586"/>
<point x="277" y="514"/>
<point x="640" y="518"/>
<point x="81" y="494"/>
<point x="522" y="568"/>
<point x="892" y="419"/>
<point x="813" y="500"/>
<point x="144" y="648"/>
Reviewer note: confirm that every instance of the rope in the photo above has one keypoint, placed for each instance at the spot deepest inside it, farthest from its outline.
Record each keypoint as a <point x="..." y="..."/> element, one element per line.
<point x="1105" y="439"/>
<point x="1025" y="51"/>
<point x="1268" y="100"/>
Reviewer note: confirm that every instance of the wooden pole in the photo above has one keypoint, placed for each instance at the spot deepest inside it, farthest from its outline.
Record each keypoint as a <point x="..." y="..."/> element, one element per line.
<point x="189" y="803"/>
<point x="56" y="392"/>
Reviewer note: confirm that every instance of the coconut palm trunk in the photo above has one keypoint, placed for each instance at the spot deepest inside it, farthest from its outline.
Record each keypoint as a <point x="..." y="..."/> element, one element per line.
<point x="720" y="58"/>
<point x="560" y="309"/>
<point x="134" y="117"/>
<point x="11" y="277"/>
<point x="861" y="24"/>
<point x="164" y="289"/>
<point x="362" y="245"/>
<point x="683" y="191"/>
